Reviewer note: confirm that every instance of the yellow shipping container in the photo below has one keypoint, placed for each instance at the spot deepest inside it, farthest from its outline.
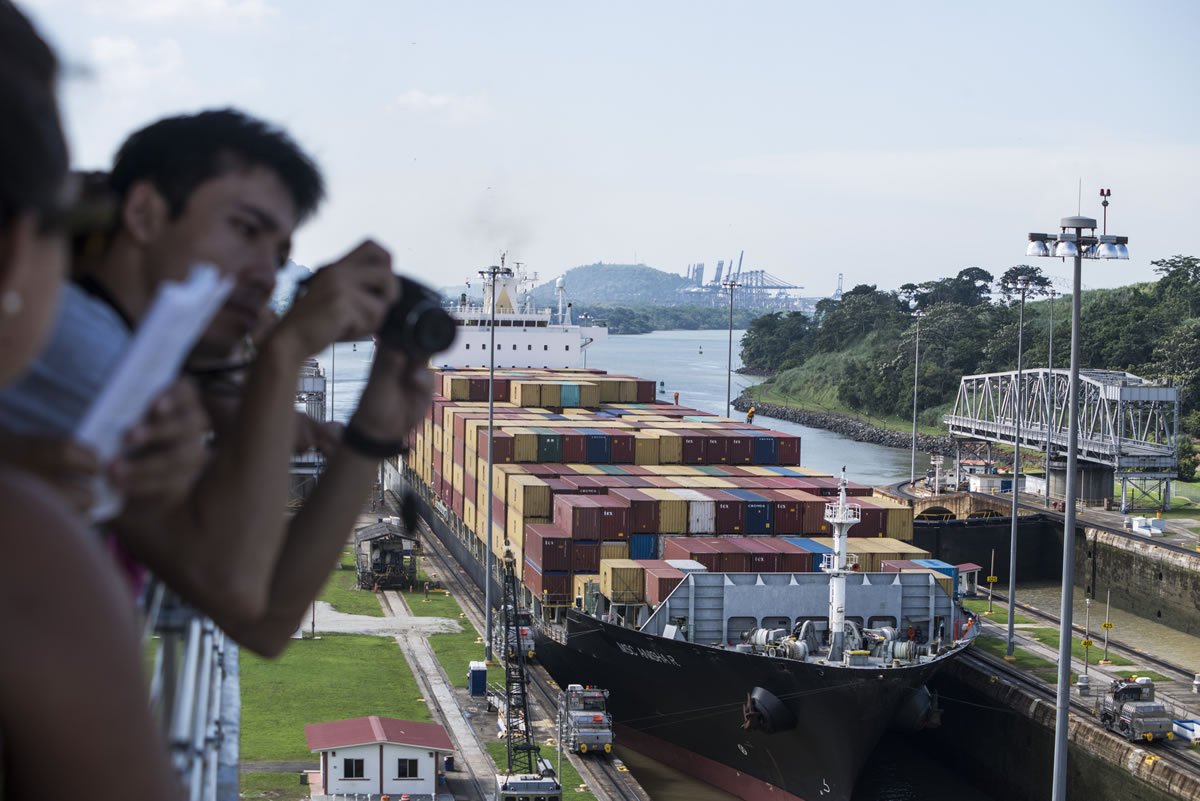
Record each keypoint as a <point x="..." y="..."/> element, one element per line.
<point x="645" y="448"/>
<point x="469" y="513"/>
<point x="614" y="550"/>
<point x="551" y="394"/>
<point x="670" y="448"/>
<point x="525" y="445"/>
<point x="589" y="395"/>
<point x="525" y="393"/>
<point x="672" y="511"/>
<point x="622" y="581"/>
<point x="628" y="391"/>
<point x="609" y="389"/>
<point x="529" y="495"/>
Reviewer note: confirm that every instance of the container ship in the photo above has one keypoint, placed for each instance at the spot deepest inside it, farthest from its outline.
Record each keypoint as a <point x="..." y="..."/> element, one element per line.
<point x="757" y="624"/>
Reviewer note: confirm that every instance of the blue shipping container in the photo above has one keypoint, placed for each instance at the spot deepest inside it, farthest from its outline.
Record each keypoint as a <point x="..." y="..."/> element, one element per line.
<point x="804" y="543"/>
<point x="764" y="450"/>
<point x="570" y="395"/>
<point x="643" y="546"/>
<point x="945" y="568"/>
<point x="598" y="447"/>
<point x="760" y="514"/>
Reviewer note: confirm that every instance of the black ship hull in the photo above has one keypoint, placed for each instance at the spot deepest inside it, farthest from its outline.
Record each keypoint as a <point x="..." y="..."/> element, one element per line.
<point x="684" y="704"/>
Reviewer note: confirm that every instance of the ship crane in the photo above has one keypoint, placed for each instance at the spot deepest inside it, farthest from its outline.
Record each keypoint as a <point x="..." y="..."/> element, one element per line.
<point x="841" y="516"/>
<point x="525" y="776"/>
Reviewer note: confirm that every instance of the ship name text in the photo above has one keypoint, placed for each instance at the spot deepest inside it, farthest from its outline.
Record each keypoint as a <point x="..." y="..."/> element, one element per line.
<point x="646" y="653"/>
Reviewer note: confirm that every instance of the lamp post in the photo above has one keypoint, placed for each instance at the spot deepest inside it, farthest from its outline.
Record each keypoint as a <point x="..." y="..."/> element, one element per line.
<point x="490" y="275"/>
<point x="1022" y="285"/>
<point x="912" y="472"/>
<point x="1071" y="243"/>
<point x="731" y="285"/>
<point x="1050" y="397"/>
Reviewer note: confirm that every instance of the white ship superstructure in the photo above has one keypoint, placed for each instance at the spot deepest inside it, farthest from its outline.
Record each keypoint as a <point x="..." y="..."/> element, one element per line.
<point x="525" y="337"/>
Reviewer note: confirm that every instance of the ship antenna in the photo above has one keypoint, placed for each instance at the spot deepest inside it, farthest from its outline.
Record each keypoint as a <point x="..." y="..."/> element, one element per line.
<point x="841" y="516"/>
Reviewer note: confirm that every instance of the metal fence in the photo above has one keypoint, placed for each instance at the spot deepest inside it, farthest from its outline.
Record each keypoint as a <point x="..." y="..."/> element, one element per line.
<point x="195" y="695"/>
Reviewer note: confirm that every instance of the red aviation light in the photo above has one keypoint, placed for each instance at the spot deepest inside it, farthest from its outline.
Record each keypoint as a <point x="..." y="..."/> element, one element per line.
<point x="597" y="718"/>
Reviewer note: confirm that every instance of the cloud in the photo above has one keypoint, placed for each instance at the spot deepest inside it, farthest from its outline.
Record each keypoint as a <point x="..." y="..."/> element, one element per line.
<point x="459" y="108"/>
<point x="222" y="13"/>
<point x="126" y="67"/>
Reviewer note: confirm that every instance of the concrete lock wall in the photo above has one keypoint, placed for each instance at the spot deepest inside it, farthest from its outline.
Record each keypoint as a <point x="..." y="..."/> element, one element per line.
<point x="1039" y="546"/>
<point x="1147" y="580"/>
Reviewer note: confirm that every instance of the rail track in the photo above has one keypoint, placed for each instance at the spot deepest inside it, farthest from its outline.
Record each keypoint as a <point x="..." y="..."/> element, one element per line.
<point x="604" y="774"/>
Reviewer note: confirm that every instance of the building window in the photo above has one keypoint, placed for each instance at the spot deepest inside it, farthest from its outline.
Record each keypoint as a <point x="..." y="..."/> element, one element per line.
<point x="497" y="347"/>
<point x="352" y="769"/>
<point x="406" y="769"/>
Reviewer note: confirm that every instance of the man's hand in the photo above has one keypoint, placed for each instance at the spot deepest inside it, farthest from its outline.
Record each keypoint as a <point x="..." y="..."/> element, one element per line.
<point x="69" y="467"/>
<point x="165" y="452"/>
<point x="324" y="437"/>
<point x="396" y="397"/>
<point x="345" y="300"/>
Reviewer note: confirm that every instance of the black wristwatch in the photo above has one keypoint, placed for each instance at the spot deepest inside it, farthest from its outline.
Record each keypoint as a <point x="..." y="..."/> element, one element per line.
<point x="366" y="445"/>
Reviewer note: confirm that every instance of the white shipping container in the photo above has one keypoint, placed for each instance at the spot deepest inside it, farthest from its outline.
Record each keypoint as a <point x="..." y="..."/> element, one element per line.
<point x="702" y="512"/>
<point x="687" y="565"/>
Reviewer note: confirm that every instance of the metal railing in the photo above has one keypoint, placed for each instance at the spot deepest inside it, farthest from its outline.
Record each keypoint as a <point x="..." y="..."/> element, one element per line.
<point x="195" y="693"/>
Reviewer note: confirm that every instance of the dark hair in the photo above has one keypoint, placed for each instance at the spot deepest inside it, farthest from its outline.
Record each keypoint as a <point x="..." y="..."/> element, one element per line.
<point x="33" y="152"/>
<point x="177" y="154"/>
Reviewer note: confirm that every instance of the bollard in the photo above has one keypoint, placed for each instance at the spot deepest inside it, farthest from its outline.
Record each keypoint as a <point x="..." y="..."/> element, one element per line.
<point x="1084" y="686"/>
<point x="1196" y="684"/>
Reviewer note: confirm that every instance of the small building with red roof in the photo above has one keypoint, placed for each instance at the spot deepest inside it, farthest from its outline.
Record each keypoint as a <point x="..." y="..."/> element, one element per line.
<point x="375" y="755"/>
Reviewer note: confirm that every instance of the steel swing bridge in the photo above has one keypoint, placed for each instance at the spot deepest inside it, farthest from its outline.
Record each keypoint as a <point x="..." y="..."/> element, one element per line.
<point x="1127" y="424"/>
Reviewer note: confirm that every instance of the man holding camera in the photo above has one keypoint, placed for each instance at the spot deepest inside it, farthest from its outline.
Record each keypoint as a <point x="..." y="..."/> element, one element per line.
<point x="223" y="188"/>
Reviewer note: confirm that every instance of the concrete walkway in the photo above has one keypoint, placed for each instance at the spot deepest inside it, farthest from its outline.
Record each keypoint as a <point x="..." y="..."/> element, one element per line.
<point x="438" y="689"/>
<point x="333" y="622"/>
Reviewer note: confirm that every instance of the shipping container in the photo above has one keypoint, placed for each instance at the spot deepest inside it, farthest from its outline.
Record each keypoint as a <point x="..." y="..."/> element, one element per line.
<point x="760" y="512"/>
<point x="614" y="517"/>
<point x="792" y="559"/>
<point x="549" y="445"/>
<point x="702" y="512"/>
<point x="578" y="515"/>
<point x="622" y="581"/>
<point x="598" y="446"/>
<point x="581" y="581"/>
<point x="730" y="512"/>
<point x="548" y="547"/>
<point x="621" y="448"/>
<point x="672" y="511"/>
<point x="574" y="446"/>
<point x="693" y="443"/>
<point x="614" y="550"/>
<point x="763" y="557"/>
<point x="529" y="495"/>
<point x="670" y="447"/>
<point x="646" y="448"/>
<point x="740" y="447"/>
<point x="552" y="588"/>
<point x="661" y="582"/>
<point x="643" y="546"/>
<point x="716" y="448"/>
<point x="585" y="556"/>
<point x="765" y="449"/>
<point x="694" y="548"/>
<point x="686" y="566"/>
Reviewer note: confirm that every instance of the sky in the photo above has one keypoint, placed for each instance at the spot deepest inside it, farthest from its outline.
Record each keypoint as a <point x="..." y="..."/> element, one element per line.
<point x="891" y="142"/>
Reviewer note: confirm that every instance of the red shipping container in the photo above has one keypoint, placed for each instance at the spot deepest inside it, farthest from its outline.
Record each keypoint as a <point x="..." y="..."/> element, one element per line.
<point x="548" y="547"/>
<point x="898" y="565"/>
<point x="585" y="485"/>
<point x="553" y="587"/>
<point x="645" y="392"/>
<point x="585" y="557"/>
<point x="502" y="446"/>
<point x="792" y="559"/>
<point x="614" y="517"/>
<point x="763" y="558"/>
<point x="558" y="486"/>
<point x="643" y="510"/>
<point x="872" y="519"/>
<point x="456" y="502"/>
<point x="741" y="448"/>
<point x="578" y="515"/>
<point x="693" y="447"/>
<point x="692" y="548"/>
<point x="787" y="449"/>
<point x="661" y="582"/>
<point x="732" y="558"/>
<point x="731" y="512"/>
<point x="788" y="518"/>
<point x="716" y="447"/>
<point x="574" y="446"/>
<point x="620" y="448"/>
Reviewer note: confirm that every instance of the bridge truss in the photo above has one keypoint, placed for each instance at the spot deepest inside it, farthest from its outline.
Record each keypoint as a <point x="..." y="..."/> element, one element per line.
<point x="1126" y="424"/>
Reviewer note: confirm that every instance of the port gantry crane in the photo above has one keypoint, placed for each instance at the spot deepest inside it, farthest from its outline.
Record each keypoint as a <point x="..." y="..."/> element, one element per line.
<point x="525" y="778"/>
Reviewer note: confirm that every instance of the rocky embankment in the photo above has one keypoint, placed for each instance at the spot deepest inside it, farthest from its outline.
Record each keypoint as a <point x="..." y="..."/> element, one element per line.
<point x="848" y="427"/>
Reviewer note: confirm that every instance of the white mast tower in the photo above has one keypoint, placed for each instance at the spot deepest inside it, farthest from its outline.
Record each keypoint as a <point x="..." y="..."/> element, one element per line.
<point x="841" y="516"/>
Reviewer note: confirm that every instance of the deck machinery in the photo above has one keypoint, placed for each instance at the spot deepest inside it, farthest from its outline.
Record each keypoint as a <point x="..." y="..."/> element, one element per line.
<point x="528" y="777"/>
<point x="1130" y="710"/>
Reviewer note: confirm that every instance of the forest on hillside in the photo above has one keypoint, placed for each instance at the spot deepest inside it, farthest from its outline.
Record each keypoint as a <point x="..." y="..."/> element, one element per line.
<point x="863" y="344"/>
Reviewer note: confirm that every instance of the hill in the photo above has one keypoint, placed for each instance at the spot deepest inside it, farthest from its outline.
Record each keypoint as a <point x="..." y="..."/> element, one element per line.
<point x="616" y="285"/>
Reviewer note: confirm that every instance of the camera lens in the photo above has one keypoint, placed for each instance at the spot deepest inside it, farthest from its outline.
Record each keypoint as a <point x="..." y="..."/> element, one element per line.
<point x="433" y="329"/>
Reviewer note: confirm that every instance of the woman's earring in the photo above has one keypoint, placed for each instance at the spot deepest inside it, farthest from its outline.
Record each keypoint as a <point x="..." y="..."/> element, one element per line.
<point x="10" y="303"/>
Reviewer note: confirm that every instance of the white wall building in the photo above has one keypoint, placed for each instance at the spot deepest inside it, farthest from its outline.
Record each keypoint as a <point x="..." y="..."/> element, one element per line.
<point x="374" y="755"/>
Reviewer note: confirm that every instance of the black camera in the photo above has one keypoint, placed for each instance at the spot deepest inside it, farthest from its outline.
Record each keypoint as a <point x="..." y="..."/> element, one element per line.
<point x="417" y="324"/>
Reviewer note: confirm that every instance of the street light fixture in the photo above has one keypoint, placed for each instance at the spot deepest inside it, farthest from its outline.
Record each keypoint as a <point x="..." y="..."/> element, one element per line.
<point x="490" y="274"/>
<point x="731" y="285"/>
<point x="1023" y="286"/>
<point x="917" y="315"/>
<point x="1074" y="228"/>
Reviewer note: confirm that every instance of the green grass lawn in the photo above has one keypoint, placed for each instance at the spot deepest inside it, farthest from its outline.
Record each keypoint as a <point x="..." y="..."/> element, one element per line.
<point x="454" y="651"/>
<point x="1049" y="636"/>
<point x="999" y="611"/>
<point x="1044" y="669"/>
<point x="570" y="779"/>
<point x="335" y="677"/>
<point x="274" y="786"/>
<point x="341" y="591"/>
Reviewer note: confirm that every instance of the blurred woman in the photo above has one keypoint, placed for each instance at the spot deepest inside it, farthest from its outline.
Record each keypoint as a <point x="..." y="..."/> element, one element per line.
<point x="71" y="687"/>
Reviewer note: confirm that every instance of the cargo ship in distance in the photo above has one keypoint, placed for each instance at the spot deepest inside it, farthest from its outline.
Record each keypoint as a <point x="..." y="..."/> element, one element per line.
<point x="757" y="624"/>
